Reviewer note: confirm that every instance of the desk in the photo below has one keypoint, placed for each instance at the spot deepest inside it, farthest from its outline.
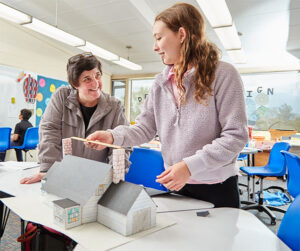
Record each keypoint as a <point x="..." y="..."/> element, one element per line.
<point x="250" y="152"/>
<point x="10" y="176"/>
<point x="223" y="229"/>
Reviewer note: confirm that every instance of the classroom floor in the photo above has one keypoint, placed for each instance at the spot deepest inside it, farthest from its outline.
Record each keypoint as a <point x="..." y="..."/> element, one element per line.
<point x="8" y="241"/>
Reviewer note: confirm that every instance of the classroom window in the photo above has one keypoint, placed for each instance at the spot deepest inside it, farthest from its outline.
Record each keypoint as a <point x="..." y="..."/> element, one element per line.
<point x="140" y="88"/>
<point x="119" y="90"/>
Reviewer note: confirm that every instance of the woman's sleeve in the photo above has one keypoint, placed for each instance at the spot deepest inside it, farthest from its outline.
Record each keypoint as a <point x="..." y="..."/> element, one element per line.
<point x="50" y="133"/>
<point x="142" y="131"/>
<point x="231" y="111"/>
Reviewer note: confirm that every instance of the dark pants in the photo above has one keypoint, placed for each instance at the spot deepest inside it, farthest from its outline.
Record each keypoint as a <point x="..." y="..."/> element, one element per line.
<point x="18" y="153"/>
<point x="2" y="156"/>
<point x="224" y="194"/>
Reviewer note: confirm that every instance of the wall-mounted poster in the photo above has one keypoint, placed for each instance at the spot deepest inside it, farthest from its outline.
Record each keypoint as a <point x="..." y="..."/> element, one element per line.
<point x="30" y="88"/>
<point x="273" y="100"/>
<point x="47" y="86"/>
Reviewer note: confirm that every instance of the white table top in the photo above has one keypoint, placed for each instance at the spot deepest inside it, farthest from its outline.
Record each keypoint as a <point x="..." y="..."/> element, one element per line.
<point x="249" y="150"/>
<point x="10" y="177"/>
<point x="223" y="229"/>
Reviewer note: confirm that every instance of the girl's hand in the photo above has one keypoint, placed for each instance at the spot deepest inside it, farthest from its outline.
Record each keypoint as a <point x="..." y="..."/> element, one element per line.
<point x="175" y="177"/>
<point x="102" y="136"/>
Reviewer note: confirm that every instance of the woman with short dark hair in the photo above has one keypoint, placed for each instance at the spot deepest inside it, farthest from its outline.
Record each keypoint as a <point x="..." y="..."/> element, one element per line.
<point x="77" y="110"/>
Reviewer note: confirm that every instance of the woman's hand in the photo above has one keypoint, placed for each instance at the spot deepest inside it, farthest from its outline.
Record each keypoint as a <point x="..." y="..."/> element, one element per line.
<point x="102" y="136"/>
<point x="175" y="177"/>
<point x="32" y="179"/>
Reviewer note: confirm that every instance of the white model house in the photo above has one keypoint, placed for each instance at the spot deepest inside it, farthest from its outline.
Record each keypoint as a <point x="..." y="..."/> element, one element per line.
<point x="127" y="209"/>
<point x="67" y="213"/>
<point x="80" y="180"/>
<point x="83" y="182"/>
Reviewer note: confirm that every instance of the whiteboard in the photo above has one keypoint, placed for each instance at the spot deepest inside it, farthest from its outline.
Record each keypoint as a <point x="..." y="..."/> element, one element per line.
<point x="10" y="88"/>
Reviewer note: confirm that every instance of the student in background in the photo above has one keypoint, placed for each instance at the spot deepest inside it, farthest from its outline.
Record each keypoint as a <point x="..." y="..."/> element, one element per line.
<point x="77" y="110"/>
<point x="19" y="133"/>
<point x="196" y="106"/>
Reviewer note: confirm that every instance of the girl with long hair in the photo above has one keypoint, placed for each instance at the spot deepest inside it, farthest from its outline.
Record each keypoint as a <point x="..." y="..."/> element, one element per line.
<point x="197" y="108"/>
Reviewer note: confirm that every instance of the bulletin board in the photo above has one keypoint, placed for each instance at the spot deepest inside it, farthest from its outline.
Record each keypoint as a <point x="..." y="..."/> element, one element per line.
<point x="47" y="86"/>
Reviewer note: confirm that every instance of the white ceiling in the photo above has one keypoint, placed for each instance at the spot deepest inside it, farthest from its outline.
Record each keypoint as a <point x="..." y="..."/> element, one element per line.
<point x="269" y="28"/>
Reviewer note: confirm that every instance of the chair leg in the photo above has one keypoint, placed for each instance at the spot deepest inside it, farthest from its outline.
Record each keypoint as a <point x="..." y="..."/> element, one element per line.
<point x="253" y="188"/>
<point x="4" y="215"/>
<point x="248" y="187"/>
<point x="247" y="203"/>
<point x="240" y="190"/>
<point x="270" y="213"/>
<point x="22" y="232"/>
<point x="280" y="210"/>
<point x="260" y="207"/>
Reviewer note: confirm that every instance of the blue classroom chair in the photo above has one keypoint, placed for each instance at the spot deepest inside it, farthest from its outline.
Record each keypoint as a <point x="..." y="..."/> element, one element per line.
<point x="289" y="230"/>
<point x="276" y="167"/>
<point x="31" y="140"/>
<point x="146" y="165"/>
<point x="5" y="133"/>
<point x="293" y="177"/>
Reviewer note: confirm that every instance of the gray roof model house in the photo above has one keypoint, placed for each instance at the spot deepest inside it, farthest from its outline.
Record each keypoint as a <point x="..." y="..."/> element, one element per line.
<point x="67" y="213"/>
<point x="127" y="209"/>
<point x="83" y="183"/>
<point x="80" y="180"/>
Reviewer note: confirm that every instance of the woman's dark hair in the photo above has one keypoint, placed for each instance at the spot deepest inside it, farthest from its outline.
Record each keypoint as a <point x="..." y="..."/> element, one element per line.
<point x="80" y="63"/>
<point x="26" y="114"/>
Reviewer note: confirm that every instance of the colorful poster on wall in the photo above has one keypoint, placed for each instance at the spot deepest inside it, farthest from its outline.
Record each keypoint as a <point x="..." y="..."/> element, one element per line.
<point x="30" y="88"/>
<point x="273" y="101"/>
<point x="47" y="87"/>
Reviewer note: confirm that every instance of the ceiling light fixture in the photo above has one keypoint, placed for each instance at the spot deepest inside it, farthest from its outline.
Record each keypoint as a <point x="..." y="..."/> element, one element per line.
<point x="216" y="12"/>
<point x="13" y="15"/>
<point x="229" y="37"/>
<point x="39" y="26"/>
<point x="128" y="64"/>
<point x="219" y="17"/>
<point x="98" y="51"/>
<point x="53" y="32"/>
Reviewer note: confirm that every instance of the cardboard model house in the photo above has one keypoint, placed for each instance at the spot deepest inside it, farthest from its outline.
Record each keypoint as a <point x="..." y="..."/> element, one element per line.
<point x="127" y="209"/>
<point x="83" y="182"/>
<point x="80" y="180"/>
<point x="67" y="213"/>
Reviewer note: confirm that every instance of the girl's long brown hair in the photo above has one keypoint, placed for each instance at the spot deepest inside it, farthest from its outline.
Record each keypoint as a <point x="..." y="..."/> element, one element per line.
<point x="195" y="51"/>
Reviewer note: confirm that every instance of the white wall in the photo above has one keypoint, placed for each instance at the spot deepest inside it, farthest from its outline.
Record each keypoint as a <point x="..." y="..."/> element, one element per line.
<point x="30" y="51"/>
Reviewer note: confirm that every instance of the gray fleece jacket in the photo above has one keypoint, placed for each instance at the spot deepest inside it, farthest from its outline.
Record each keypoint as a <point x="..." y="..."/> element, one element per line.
<point x="63" y="119"/>
<point x="207" y="137"/>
